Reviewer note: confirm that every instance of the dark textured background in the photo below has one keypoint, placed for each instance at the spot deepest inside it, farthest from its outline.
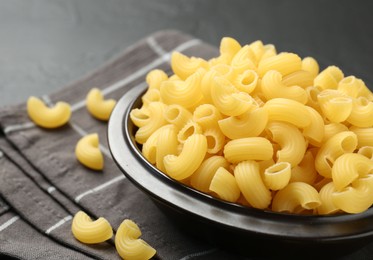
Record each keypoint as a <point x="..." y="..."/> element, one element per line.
<point x="46" y="44"/>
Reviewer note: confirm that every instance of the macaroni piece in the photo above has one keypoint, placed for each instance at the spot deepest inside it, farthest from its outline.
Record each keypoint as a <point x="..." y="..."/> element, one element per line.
<point x="140" y="117"/>
<point x="184" y="66"/>
<point x="366" y="151"/>
<point x="190" y="158"/>
<point x="305" y="171"/>
<point x="215" y="140"/>
<point x="285" y="63"/>
<point x="207" y="116"/>
<point x="364" y="135"/>
<point x="277" y="176"/>
<point x="362" y="113"/>
<point x="334" y="106"/>
<point x="326" y="196"/>
<point x="88" y="153"/>
<point x="90" y="232"/>
<point x="229" y="47"/>
<point x="128" y="244"/>
<point x="246" y="81"/>
<point x="151" y="95"/>
<point x="315" y="131"/>
<point x="47" y="117"/>
<point x="189" y="129"/>
<point x="310" y="64"/>
<point x="329" y="78"/>
<point x="301" y="78"/>
<point x="224" y="185"/>
<point x="167" y="143"/>
<point x="97" y="106"/>
<point x="243" y="60"/>
<point x="149" y="148"/>
<point x="331" y="129"/>
<point x="177" y="115"/>
<point x="155" y="77"/>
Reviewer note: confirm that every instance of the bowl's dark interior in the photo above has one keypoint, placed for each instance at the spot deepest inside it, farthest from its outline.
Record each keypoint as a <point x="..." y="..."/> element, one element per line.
<point x="239" y="228"/>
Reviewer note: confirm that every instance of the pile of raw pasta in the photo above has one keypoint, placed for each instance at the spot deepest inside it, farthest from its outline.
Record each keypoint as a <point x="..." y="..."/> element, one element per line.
<point x="262" y="129"/>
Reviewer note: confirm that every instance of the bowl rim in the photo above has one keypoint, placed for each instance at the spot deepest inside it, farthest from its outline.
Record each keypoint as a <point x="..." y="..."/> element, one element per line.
<point x="205" y="208"/>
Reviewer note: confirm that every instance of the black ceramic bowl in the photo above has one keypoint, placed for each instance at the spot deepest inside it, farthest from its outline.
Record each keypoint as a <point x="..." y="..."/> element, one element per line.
<point x="229" y="225"/>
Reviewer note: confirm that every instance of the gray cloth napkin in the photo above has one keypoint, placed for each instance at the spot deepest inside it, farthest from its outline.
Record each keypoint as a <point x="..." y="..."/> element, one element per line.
<point x="42" y="185"/>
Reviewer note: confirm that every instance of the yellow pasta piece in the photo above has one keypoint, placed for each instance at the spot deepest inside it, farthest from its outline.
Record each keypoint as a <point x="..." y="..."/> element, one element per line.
<point x="343" y="142"/>
<point x="177" y="115"/>
<point x="334" y="106"/>
<point x="257" y="49"/>
<point x="207" y="116"/>
<point x="288" y="110"/>
<point x="272" y="87"/>
<point x="312" y="93"/>
<point x="356" y="198"/>
<point x="285" y="63"/>
<point x="185" y="93"/>
<point x="156" y="120"/>
<point x="151" y="95"/>
<point x="248" y="178"/>
<point x="327" y="206"/>
<point x="366" y="151"/>
<point x="329" y="78"/>
<point x="229" y="46"/>
<point x="348" y="167"/>
<point x="296" y="197"/>
<point x="305" y="171"/>
<point x="246" y="81"/>
<point x="215" y="140"/>
<point x="190" y="158"/>
<point x="88" y="152"/>
<point x="155" y="77"/>
<point x="47" y="117"/>
<point x="292" y="143"/>
<point x="189" y="129"/>
<point x="249" y="124"/>
<point x="243" y="60"/>
<point x="269" y="51"/>
<point x="139" y="116"/>
<point x="301" y="78"/>
<point x="97" y="106"/>
<point x="167" y="143"/>
<point x="224" y="185"/>
<point x="251" y="148"/>
<point x="315" y="131"/>
<point x="310" y="64"/>
<point x="362" y="113"/>
<point x="90" y="232"/>
<point x="184" y="66"/>
<point x="149" y="148"/>
<point x="128" y="244"/>
<point x="229" y="100"/>
<point x="331" y="129"/>
<point x="202" y="177"/>
<point x="277" y="176"/>
<point x="364" y="135"/>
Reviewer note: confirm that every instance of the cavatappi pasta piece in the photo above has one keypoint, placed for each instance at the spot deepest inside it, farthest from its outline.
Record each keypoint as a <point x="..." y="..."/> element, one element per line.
<point x="177" y="115"/>
<point x="250" y="148"/>
<point x="128" y="244"/>
<point x="273" y="87"/>
<point x="98" y="106"/>
<point x="362" y="113"/>
<point x="277" y="176"/>
<point x="243" y="60"/>
<point x="343" y="142"/>
<point x="284" y="62"/>
<point x="246" y="81"/>
<point x="88" y="152"/>
<point x="331" y="129"/>
<point x="202" y="177"/>
<point x="310" y="64"/>
<point x="182" y="166"/>
<point x="356" y="198"/>
<point x="189" y="129"/>
<point x="167" y="143"/>
<point x="288" y="110"/>
<point x="335" y="106"/>
<point x="249" y="181"/>
<point x="139" y="116"/>
<point x="327" y="206"/>
<point x="249" y="124"/>
<point x="155" y="121"/>
<point x="229" y="100"/>
<point x="292" y="143"/>
<point x="295" y="198"/>
<point x="47" y="117"/>
<point x="90" y="232"/>
<point x="207" y="116"/>
<point x="301" y="78"/>
<point x="305" y="171"/>
<point x="224" y="185"/>
<point x="364" y="135"/>
<point x="366" y="151"/>
<point x="184" y="66"/>
<point x="314" y="132"/>
<point x="348" y="167"/>
<point x="329" y="78"/>
<point x="185" y="93"/>
<point x="215" y="140"/>
<point x="155" y="77"/>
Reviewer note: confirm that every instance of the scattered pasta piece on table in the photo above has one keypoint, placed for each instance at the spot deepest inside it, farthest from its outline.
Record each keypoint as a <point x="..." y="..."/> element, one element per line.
<point x="88" y="152"/>
<point x="98" y="106"/>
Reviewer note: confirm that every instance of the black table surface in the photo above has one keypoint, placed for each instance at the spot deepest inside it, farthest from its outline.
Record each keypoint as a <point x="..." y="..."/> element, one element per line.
<point x="47" y="44"/>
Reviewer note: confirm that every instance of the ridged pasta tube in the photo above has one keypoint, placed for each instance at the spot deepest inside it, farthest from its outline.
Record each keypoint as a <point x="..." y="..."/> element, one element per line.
<point x="47" y="117"/>
<point x="310" y="64"/>
<point x="207" y="116"/>
<point x="291" y="140"/>
<point x="277" y="176"/>
<point x="362" y="113"/>
<point x="229" y="46"/>
<point x="243" y="60"/>
<point x="88" y="152"/>
<point x="177" y="115"/>
<point x="296" y="197"/>
<point x="284" y="62"/>
<point x="184" y="66"/>
<point x="366" y="151"/>
<point x="348" y="167"/>
<point x="224" y="185"/>
<point x="246" y="81"/>
<point x="97" y="106"/>
<point x="364" y="135"/>
<point x="248" y="178"/>
<point x="305" y="171"/>
<point x="273" y="87"/>
<point x="334" y="105"/>
<point x="215" y="140"/>
<point x="249" y="124"/>
<point x="251" y="148"/>
<point x="151" y="95"/>
<point x="189" y="129"/>
<point x="315" y="131"/>
<point x="329" y="78"/>
<point x="190" y="158"/>
<point x="139" y="116"/>
<point x="301" y="78"/>
<point x="90" y="232"/>
<point x="155" y="77"/>
<point x="331" y="129"/>
<point x="327" y="206"/>
<point x="128" y="244"/>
